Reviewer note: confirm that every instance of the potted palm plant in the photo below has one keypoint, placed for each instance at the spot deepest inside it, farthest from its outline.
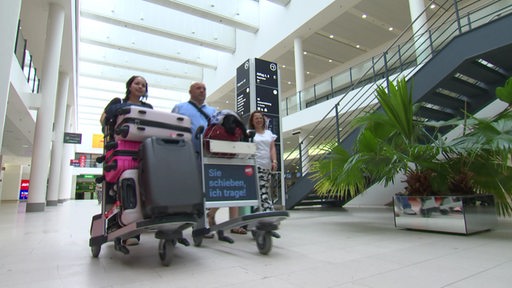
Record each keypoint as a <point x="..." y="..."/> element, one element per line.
<point x="466" y="175"/>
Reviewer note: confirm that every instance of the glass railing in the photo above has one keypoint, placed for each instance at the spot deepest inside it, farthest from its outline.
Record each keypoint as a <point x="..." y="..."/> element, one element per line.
<point x="355" y="87"/>
<point x="26" y="62"/>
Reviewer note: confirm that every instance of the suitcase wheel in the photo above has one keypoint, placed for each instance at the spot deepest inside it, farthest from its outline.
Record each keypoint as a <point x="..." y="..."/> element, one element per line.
<point x="99" y="179"/>
<point x="123" y="111"/>
<point x="100" y="159"/>
<point x="110" y="145"/>
<point x="123" y="131"/>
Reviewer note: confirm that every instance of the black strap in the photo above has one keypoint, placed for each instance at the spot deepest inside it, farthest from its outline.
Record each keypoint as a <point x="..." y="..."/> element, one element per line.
<point x="206" y="116"/>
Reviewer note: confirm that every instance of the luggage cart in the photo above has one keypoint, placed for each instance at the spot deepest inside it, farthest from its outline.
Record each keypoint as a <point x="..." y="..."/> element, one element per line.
<point x="108" y="226"/>
<point x="230" y="180"/>
<point x="168" y="229"/>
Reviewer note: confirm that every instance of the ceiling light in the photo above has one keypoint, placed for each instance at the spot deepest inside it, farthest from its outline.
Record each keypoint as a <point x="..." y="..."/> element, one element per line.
<point x="330" y="60"/>
<point x="289" y="83"/>
<point x="307" y="72"/>
<point x="432" y="6"/>
<point x="364" y="16"/>
<point x="284" y="66"/>
<point x="390" y="28"/>
<point x="331" y="36"/>
<point x="305" y="53"/>
<point x="357" y="46"/>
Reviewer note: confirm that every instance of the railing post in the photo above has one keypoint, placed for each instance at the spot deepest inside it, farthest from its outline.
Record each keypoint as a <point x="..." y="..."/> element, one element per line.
<point x="332" y="88"/>
<point x="400" y="58"/>
<point x="385" y="56"/>
<point x="336" y="114"/>
<point x="373" y="69"/>
<point x="351" y="80"/>
<point x="314" y="94"/>
<point x="431" y="43"/>
<point x="456" y="7"/>
<point x="299" y="99"/>
<point x="300" y="157"/>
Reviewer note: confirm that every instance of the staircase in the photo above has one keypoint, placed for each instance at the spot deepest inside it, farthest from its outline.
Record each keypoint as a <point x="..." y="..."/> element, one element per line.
<point x="454" y="68"/>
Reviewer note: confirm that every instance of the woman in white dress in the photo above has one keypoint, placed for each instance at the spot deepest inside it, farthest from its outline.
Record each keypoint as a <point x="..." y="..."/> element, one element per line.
<point x="266" y="159"/>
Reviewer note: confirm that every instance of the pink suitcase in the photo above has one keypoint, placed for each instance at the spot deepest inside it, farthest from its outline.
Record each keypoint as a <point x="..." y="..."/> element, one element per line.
<point x="138" y="123"/>
<point x="129" y="196"/>
<point x="122" y="156"/>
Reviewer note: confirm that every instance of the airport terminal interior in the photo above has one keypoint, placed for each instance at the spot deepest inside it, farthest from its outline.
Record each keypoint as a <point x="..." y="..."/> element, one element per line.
<point x="322" y="62"/>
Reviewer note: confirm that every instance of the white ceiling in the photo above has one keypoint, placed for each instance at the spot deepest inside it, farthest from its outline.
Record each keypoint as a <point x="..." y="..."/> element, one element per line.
<point x="174" y="43"/>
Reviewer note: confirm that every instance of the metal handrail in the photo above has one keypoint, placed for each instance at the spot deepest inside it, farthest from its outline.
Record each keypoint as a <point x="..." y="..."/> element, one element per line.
<point x="399" y="60"/>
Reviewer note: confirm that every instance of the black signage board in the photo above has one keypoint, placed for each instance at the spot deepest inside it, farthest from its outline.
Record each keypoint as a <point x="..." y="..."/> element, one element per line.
<point x="243" y="76"/>
<point x="267" y="100"/>
<point x="273" y="125"/>
<point x="230" y="182"/>
<point x="243" y="95"/>
<point x="72" y="138"/>
<point x="266" y="73"/>
<point x="243" y="102"/>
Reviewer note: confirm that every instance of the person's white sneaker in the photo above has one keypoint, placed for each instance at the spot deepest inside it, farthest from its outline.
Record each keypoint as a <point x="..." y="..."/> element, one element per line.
<point x="409" y="211"/>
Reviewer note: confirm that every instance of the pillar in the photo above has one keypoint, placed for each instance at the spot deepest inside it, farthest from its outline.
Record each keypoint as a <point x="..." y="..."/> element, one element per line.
<point x="299" y="79"/>
<point x="66" y="178"/>
<point x="299" y="68"/>
<point x="57" y="143"/>
<point x="9" y="16"/>
<point x="420" y="30"/>
<point x="43" y="132"/>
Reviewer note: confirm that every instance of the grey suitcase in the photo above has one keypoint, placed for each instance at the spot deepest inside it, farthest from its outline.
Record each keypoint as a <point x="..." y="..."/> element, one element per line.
<point x="129" y="196"/>
<point x="170" y="180"/>
<point x="136" y="123"/>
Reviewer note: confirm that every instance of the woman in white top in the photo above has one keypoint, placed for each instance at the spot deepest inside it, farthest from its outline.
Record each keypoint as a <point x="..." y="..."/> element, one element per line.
<point x="266" y="160"/>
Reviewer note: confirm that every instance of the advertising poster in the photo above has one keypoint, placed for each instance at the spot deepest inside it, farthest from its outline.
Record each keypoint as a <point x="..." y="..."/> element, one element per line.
<point x="230" y="182"/>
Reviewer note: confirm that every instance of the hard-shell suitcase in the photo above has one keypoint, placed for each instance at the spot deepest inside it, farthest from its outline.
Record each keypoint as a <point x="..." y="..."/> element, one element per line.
<point x="129" y="196"/>
<point x="170" y="180"/>
<point x="138" y="123"/>
<point x="121" y="156"/>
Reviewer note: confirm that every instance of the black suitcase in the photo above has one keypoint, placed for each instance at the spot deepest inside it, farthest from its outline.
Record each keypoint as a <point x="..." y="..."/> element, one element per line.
<point x="170" y="180"/>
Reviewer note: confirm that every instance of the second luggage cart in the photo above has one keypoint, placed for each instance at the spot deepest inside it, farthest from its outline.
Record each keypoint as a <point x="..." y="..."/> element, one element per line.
<point x="230" y="180"/>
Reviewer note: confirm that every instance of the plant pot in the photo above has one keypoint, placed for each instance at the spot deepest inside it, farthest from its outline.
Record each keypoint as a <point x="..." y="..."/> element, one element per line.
<point x="451" y="214"/>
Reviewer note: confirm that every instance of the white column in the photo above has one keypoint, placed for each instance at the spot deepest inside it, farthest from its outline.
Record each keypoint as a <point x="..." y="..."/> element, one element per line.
<point x="299" y="64"/>
<point x="299" y="68"/>
<point x="43" y="132"/>
<point x="57" y="143"/>
<point x="299" y="79"/>
<point x="420" y="30"/>
<point x="9" y="15"/>
<point x="66" y="177"/>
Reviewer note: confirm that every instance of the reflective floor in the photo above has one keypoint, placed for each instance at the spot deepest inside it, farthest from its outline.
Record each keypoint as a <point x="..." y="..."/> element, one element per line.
<point x="318" y="248"/>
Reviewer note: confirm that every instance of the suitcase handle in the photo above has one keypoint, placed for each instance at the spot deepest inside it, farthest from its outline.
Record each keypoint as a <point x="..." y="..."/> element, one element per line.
<point x="173" y="141"/>
<point x="142" y="112"/>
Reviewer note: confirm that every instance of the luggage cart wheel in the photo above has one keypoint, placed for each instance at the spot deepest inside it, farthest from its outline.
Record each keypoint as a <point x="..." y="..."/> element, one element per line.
<point x="165" y="250"/>
<point x="95" y="251"/>
<point x="198" y="240"/>
<point x="264" y="241"/>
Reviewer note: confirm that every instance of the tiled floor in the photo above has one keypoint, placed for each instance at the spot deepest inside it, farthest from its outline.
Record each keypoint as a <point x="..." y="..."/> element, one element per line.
<point x="318" y="248"/>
